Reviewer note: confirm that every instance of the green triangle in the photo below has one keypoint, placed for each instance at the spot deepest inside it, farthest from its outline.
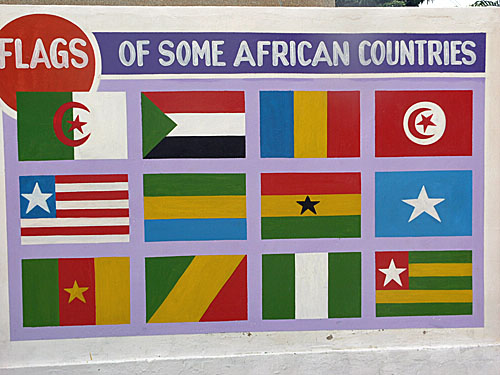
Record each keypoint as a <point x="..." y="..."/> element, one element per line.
<point x="155" y="125"/>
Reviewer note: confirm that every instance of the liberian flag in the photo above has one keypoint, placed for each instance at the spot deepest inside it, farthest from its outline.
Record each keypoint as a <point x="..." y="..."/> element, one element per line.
<point x="311" y="286"/>
<point x="309" y="124"/>
<point x="74" y="209"/>
<point x="193" y="124"/>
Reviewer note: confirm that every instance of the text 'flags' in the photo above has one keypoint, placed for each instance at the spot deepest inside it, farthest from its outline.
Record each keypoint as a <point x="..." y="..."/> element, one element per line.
<point x="311" y="286"/>
<point x="194" y="207"/>
<point x="423" y="123"/>
<point x="71" y="126"/>
<point x="193" y="124"/>
<point x="411" y="283"/>
<point x="423" y="203"/>
<point x="74" y="209"/>
<point x="309" y="124"/>
<point x="196" y="288"/>
<point x="310" y="205"/>
<point x="78" y="291"/>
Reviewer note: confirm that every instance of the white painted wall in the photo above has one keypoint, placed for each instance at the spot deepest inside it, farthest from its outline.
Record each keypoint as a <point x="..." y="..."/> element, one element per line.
<point x="417" y="351"/>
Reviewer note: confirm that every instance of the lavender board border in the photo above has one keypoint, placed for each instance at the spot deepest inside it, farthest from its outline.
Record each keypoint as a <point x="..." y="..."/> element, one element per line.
<point x="253" y="165"/>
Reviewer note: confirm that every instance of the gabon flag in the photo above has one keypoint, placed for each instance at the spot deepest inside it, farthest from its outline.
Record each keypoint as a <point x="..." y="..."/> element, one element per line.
<point x="76" y="291"/>
<point x="309" y="124"/>
<point x="71" y="126"/>
<point x="423" y="123"/>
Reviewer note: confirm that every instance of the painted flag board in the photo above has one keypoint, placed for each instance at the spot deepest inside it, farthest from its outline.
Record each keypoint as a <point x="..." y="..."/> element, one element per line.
<point x="71" y="126"/>
<point x="194" y="207"/>
<point x="423" y="203"/>
<point x="309" y="124"/>
<point x="76" y="291"/>
<point x="193" y="124"/>
<point x="196" y="288"/>
<point x="423" y="123"/>
<point x="311" y="285"/>
<point x="74" y="209"/>
<point x="310" y="205"/>
<point x="412" y="283"/>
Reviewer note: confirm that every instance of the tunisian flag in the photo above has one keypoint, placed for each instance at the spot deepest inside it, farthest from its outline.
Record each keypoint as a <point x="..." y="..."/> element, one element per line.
<point x="423" y="123"/>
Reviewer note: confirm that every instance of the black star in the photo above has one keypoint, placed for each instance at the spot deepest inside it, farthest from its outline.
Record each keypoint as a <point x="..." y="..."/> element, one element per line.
<point x="308" y="204"/>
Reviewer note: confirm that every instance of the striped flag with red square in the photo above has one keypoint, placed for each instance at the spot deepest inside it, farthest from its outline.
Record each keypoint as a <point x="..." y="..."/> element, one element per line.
<point x="74" y="209"/>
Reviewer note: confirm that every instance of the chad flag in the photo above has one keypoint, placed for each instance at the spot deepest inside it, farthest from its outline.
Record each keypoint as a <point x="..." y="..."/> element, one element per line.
<point x="194" y="207"/>
<point x="309" y="124"/>
<point x="311" y="205"/>
<point x="79" y="291"/>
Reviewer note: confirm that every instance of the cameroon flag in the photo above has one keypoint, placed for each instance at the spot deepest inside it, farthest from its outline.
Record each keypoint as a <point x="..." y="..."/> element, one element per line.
<point x="311" y="286"/>
<point x="310" y="205"/>
<point x="80" y="291"/>
<point x="196" y="288"/>
<point x="194" y="207"/>
<point x="412" y="283"/>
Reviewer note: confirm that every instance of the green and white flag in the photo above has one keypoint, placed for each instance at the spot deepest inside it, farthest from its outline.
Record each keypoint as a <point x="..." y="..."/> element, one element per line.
<point x="71" y="126"/>
<point x="311" y="286"/>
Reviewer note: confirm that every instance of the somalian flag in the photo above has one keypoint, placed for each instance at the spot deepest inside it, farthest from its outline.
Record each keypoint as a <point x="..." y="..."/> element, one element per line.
<point x="74" y="209"/>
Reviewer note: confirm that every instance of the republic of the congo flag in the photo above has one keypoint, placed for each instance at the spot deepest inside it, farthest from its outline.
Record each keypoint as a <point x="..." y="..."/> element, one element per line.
<point x="78" y="291"/>
<point x="413" y="283"/>
<point x="309" y="124"/>
<point x="194" y="207"/>
<point x="196" y="288"/>
<point x="310" y="205"/>
<point x="193" y="124"/>
<point x="311" y="285"/>
<point x="67" y="126"/>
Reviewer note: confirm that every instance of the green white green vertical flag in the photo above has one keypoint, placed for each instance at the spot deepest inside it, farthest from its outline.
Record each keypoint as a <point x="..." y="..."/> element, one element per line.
<point x="311" y="285"/>
<point x="71" y="126"/>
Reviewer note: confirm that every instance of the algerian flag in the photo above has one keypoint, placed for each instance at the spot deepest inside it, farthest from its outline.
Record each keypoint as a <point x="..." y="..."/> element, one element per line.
<point x="67" y="126"/>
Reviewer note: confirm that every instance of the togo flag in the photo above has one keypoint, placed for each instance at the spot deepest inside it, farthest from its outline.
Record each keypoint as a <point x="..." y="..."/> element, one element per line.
<point x="309" y="124"/>
<point x="193" y="124"/>
<point x="79" y="291"/>
<point x="196" y="288"/>
<point x="71" y="126"/>
<point x="311" y="286"/>
<point x="430" y="203"/>
<point x="411" y="283"/>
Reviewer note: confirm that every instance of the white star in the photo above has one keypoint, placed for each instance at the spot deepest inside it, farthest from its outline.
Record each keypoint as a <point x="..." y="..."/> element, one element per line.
<point x="392" y="273"/>
<point x="37" y="198"/>
<point x="423" y="204"/>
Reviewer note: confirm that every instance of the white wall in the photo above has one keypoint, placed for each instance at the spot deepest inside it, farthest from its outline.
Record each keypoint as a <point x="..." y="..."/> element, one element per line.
<point x="416" y="351"/>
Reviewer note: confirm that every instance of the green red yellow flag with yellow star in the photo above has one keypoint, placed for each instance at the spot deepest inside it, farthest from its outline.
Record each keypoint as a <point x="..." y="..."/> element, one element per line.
<point x="78" y="291"/>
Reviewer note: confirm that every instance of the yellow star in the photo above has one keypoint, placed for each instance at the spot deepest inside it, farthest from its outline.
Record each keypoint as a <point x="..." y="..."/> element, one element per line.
<point x="76" y="292"/>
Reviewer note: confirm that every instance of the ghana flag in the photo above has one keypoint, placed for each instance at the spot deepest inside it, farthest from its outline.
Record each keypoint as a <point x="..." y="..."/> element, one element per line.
<point x="196" y="288"/>
<point x="79" y="291"/>
<point x="310" y="205"/>
<point x="413" y="283"/>
<point x="309" y="124"/>
<point x="311" y="286"/>
<point x="194" y="207"/>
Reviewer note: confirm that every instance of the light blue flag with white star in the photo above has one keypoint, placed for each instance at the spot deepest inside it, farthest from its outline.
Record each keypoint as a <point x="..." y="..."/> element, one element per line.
<point x="431" y="203"/>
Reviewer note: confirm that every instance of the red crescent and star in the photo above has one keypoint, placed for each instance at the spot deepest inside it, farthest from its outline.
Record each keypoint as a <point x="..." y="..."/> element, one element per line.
<point x="75" y="124"/>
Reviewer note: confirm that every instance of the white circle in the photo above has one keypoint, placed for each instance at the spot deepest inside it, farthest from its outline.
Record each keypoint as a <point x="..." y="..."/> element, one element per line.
<point x="421" y="134"/>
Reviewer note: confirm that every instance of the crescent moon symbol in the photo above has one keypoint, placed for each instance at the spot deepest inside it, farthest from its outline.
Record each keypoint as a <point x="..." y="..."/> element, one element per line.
<point x="58" y="124"/>
<point x="411" y="124"/>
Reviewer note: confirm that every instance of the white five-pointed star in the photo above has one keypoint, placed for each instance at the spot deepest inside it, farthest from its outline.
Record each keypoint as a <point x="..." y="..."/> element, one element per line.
<point x="392" y="273"/>
<point x="37" y="198"/>
<point x="423" y="204"/>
